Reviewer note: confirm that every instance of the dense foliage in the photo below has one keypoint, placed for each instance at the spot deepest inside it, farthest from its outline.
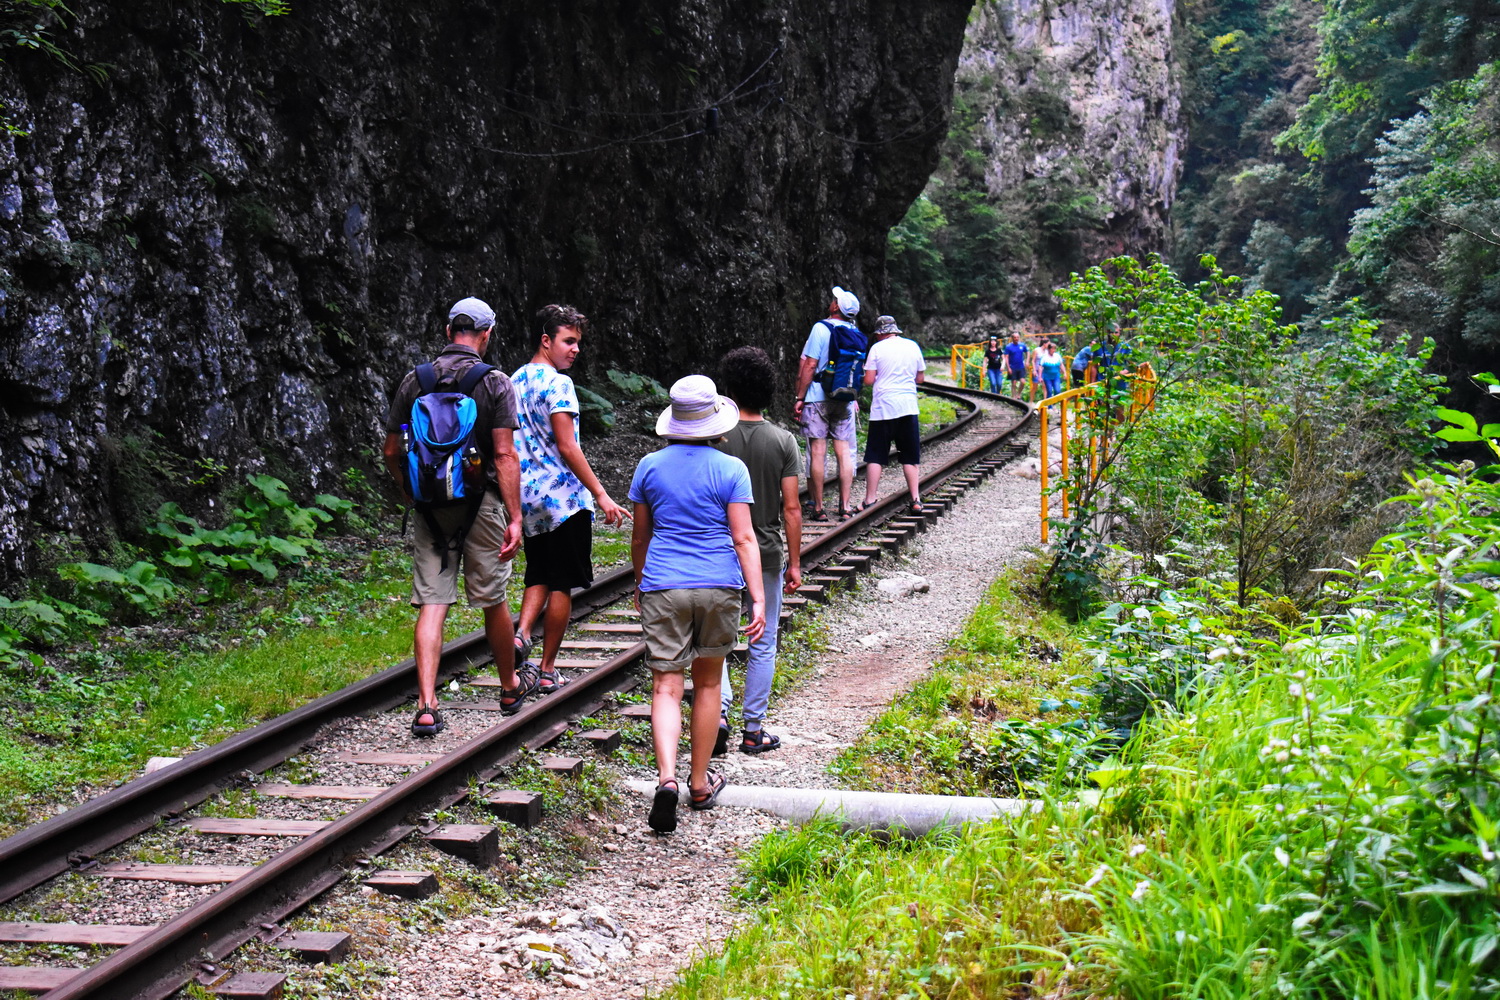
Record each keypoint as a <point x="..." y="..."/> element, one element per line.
<point x="1259" y="461"/>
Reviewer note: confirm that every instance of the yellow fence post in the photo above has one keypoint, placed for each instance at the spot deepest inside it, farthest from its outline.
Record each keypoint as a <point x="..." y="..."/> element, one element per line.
<point x="1046" y="460"/>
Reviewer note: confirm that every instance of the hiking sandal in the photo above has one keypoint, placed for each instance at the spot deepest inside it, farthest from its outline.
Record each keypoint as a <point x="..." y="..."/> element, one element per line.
<point x="721" y="742"/>
<point x="758" y="741"/>
<point x="549" y="681"/>
<point x="663" y="815"/>
<point x="523" y="649"/>
<point x="527" y="684"/>
<point x="430" y="729"/>
<point x="818" y="515"/>
<point x="709" y="797"/>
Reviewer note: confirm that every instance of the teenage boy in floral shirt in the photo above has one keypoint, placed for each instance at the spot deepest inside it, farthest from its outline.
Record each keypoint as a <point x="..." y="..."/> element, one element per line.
<point x="559" y="491"/>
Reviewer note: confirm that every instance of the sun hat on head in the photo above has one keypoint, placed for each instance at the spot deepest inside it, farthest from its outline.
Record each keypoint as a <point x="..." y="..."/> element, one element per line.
<point x="698" y="412"/>
<point x="476" y="309"/>
<point x="847" y="300"/>
<point x="885" y="325"/>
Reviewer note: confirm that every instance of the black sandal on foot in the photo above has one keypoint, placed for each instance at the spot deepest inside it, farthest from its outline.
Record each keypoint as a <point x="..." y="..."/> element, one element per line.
<point x="867" y="505"/>
<point x="527" y="684"/>
<point x="709" y="797"/>
<point x="549" y="681"/>
<point x="523" y="649"/>
<point x="758" y="741"/>
<point x="663" y="815"/>
<point x="818" y="515"/>
<point x="917" y="508"/>
<point x="427" y="730"/>
<point x="721" y="742"/>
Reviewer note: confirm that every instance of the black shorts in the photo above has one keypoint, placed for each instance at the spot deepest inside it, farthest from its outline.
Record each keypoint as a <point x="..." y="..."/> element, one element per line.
<point x="561" y="559"/>
<point x="905" y="431"/>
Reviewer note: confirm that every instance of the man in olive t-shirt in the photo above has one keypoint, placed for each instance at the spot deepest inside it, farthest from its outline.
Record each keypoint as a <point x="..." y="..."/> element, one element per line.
<point x="748" y="377"/>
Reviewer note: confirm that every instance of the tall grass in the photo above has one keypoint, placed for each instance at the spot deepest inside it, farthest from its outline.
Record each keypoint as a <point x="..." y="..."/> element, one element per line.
<point x="1315" y="816"/>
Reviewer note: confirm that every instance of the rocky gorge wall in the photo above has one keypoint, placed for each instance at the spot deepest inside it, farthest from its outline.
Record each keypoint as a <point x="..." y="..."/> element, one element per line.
<point x="1068" y="125"/>
<point x="219" y="255"/>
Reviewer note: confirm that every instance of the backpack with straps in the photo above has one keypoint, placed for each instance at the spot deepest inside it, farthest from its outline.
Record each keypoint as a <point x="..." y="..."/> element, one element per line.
<point x="444" y="461"/>
<point x="844" y="374"/>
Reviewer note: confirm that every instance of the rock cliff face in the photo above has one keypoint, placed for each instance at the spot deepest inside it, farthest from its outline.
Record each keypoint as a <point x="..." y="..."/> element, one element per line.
<point x="1069" y="112"/>
<point x="221" y="256"/>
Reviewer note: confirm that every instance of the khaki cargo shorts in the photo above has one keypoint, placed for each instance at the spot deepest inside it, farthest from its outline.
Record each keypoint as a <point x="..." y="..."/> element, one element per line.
<point x="485" y="576"/>
<point x="682" y="625"/>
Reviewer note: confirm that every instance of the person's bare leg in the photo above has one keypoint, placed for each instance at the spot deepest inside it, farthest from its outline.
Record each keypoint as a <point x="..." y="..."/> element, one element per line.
<point x="872" y="481"/>
<point x="817" y="454"/>
<point x="846" y="472"/>
<point x="533" y="606"/>
<point x="427" y="645"/>
<point x="913" y="480"/>
<point x="666" y="720"/>
<point x="501" y="633"/>
<point x="554" y="624"/>
<point x="707" y="675"/>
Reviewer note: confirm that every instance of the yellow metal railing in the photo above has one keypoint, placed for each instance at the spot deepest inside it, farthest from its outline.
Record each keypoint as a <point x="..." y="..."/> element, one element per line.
<point x="1142" y="398"/>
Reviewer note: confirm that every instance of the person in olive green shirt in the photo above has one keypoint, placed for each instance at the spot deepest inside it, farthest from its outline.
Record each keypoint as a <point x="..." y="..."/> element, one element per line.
<point x="748" y="377"/>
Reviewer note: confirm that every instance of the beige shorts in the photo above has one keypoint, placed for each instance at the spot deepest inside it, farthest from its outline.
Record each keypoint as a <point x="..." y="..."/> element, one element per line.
<point x="682" y="625"/>
<point x="485" y="575"/>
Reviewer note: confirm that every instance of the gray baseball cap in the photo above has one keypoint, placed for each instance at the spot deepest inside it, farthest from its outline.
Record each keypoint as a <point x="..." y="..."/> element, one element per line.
<point x="476" y="309"/>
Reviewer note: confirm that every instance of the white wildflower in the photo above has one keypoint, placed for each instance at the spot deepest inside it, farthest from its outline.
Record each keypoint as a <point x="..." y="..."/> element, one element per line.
<point x="1283" y="858"/>
<point x="1281" y="757"/>
<point x="1140" y="890"/>
<point x="1136" y="850"/>
<point x="1097" y="877"/>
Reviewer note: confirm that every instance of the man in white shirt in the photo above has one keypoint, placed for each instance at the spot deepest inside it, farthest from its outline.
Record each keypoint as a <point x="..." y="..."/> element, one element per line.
<point x="895" y="368"/>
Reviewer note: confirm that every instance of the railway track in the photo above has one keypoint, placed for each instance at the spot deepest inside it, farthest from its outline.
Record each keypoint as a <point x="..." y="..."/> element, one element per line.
<point x="242" y="901"/>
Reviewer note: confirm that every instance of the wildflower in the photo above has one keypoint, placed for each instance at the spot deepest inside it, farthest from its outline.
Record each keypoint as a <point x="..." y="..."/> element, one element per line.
<point x="1283" y="858"/>
<point x="1465" y="467"/>
<point x="1140" y="890"/>
<point x="1136" y="850"/>
<point x="1295" y="690"/>
<point x="1097" y="877"/>
<point x="1281" y="757"/>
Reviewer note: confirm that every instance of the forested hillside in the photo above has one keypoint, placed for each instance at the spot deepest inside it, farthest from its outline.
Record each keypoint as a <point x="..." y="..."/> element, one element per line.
<point x="1331" y="151"/>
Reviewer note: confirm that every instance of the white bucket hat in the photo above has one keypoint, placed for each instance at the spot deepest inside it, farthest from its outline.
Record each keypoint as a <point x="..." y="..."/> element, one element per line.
<point x="698" y="412"/>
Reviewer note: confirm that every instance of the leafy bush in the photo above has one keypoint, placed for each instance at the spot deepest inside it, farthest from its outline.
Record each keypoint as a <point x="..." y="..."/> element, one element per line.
<point x="596" y="414"/>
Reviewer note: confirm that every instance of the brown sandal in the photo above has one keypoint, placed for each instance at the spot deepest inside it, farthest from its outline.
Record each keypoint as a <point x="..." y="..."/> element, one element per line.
<point x="709" y="797"/>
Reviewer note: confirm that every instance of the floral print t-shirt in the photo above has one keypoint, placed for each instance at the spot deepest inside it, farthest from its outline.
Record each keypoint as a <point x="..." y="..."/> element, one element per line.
<point x="550" y="492"/>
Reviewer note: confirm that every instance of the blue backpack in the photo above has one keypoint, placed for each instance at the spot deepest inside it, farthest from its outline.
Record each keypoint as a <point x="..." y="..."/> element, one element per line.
<point x="444" y="463"/>
<point x="844" y="374"/>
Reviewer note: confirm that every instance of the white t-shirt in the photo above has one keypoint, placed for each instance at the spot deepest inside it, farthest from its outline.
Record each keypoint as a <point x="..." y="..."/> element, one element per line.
<point x="896" y="363"/>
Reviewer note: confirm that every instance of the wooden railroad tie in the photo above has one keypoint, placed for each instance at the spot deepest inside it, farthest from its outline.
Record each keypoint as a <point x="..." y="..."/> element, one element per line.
<point x="181" y="874"/>
<point x="349" y="792"/>
<point x="637" y="711"/>
<point x="383" y="758"/>
<point x="55" y="933"/>
<point x="563" y="767"/>
<point x="252" y="986"/>
<point x="634" y="629"/>
<point x="813" y="591"/>
<point x="315" y="946"/>
<point x="478" y="845"/>
<point x="621" y="612"/>
<point x="406" y="884"/>
<point x="516" y="807"/>
<point x="227" y="827"/>
<point x="34" y="978"/>
<point x="602" y="740"/>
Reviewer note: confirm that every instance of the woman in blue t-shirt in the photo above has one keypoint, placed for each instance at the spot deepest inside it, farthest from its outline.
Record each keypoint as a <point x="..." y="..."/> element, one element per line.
<point x="694" y="549"/>
<point x="1050" y="363"/>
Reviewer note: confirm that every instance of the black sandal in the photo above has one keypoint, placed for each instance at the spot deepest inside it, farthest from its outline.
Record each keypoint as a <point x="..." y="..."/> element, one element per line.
<point x="758" y="741"/>
<point x="431" y="729"/>
<point x="527" y="684"/>
<point x="721" y="742"/>
<point x="663" y="815"/>
<point x="818" y="515"/>
<point x="709" y="797"/>
<point x="550" y="681"/>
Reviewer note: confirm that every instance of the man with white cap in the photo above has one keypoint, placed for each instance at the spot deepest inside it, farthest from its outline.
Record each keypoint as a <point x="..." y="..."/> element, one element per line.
<point x="895" y="368"/>
<point x="821" y="418"/>
<point x="484" y="545"/>
<point x="694" y="549"/>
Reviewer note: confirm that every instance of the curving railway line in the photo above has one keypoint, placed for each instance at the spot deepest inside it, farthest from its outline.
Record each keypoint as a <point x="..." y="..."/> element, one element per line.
<point x="242" y="901"/>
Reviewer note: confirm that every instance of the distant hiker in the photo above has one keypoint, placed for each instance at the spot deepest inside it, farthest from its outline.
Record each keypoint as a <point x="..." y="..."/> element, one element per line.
<point x="458" y="494"/>
<point x="693" y="548"/>
<point x="895" y="368"/>
<point x="1081" y="365"/>
<point x="558" y="491"/>
<point x="994" y="364"/>
<point x="1015" y="362"/>
<point x="822" y="418"/>
<point x="770" y="453"/>
<point x="1049" y="363"/>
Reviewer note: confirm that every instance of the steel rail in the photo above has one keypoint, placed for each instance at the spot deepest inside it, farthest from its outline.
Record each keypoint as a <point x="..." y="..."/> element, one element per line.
<point x="43" y="851"/>
<point x="158" y="964"/>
